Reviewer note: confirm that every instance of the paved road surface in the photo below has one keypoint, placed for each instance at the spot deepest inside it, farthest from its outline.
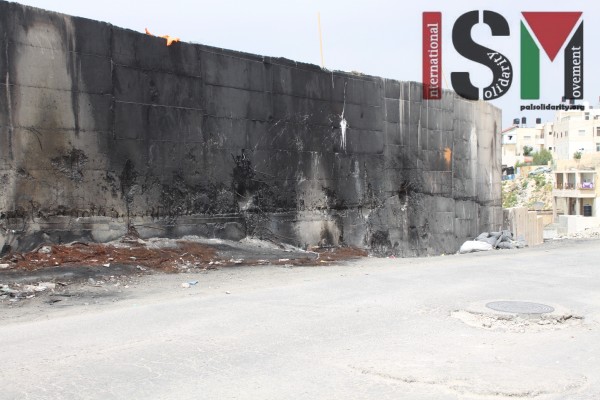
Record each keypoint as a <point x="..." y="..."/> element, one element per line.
<point x="373" y="329"/>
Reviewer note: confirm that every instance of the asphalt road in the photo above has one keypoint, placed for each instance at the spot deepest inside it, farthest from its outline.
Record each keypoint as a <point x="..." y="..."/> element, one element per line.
<point x="371" y="329"/>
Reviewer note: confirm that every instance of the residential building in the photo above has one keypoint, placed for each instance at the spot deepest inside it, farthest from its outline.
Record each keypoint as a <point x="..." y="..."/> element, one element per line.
<point x="576" y="130"/>
<point x="570" y="132"/>
<point x="515" y="138"/>
<point x="576" y="194"/>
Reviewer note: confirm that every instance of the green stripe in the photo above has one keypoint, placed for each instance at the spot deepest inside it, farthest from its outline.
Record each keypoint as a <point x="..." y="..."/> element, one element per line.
<point x="530" y="66"/>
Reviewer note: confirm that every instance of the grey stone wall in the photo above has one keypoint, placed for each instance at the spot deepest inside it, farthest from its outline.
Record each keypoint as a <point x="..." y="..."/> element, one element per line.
<point x="103" y="128"/>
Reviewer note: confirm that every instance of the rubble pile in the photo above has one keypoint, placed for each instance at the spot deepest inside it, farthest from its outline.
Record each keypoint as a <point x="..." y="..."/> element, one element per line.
<point x="492" y="240"/>
<point x="589" y="233"/>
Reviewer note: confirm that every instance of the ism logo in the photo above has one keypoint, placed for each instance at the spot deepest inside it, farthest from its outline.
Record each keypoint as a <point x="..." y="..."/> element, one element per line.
<point x="551" y="29"/>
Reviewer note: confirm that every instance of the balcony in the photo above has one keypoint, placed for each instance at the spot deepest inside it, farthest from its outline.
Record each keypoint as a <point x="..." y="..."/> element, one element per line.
<point x="575" y="183"/>
<point x="568" y="189"/>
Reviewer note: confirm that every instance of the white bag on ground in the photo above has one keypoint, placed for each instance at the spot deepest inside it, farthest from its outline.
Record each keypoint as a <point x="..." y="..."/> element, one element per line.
<point x="472" y="245"/>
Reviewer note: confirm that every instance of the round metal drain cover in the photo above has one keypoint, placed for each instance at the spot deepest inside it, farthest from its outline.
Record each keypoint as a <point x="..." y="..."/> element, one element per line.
<point x="519" y="307"/>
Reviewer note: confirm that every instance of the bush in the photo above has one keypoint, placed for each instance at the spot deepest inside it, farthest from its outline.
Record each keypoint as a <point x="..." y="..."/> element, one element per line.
<point x="540" y="180"/>
<point x="527" y="150"/>
<point x="577" y="155"/>
<point x="541" y="157"/>
<point x="521" y="164"/>
<point x="510" y="200"/>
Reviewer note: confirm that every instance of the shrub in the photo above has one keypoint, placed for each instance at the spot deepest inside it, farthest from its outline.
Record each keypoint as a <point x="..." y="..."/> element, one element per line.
<point x="541" y="157"/>
<point x="540" y="180"/>
<point x="510" y="200"/>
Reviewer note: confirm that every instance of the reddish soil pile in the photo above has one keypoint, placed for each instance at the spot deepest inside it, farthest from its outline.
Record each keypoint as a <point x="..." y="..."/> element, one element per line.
<point x="92" y="254"/>
<point x="179" y="256"/>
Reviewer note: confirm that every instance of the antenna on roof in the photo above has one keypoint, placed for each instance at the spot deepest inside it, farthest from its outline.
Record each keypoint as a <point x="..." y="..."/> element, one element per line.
<point x="320" y="39"/>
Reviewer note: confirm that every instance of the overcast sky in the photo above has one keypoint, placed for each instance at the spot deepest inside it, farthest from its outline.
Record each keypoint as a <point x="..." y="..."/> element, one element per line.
<point x="381" y="38"/>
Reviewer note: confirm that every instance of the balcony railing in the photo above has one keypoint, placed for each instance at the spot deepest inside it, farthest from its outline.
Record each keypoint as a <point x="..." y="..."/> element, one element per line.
<point x="570" y="186"/>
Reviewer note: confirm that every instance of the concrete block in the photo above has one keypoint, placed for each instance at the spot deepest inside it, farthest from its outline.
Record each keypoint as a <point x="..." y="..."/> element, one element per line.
<point x="153" y="87"/>
<point x="363" y="141"/>
<point x="392" y="89"/>
<point x="392" y="110"/>
<point x="5" y="94"/>
<point x="59" y="69"/>
<point x="235" y="72"/>
<point x="303" y="83"/>
<point x="236" y="103"/>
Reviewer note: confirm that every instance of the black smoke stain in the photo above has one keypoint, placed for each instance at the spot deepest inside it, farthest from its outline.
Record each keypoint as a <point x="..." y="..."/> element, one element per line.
<point x="71" y="164"/>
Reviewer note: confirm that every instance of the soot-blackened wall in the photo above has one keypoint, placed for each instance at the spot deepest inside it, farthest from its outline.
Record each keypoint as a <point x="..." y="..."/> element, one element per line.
<point x="103" y="128"/>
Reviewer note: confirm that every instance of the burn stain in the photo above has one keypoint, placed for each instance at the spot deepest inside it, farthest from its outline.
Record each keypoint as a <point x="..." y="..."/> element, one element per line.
<point x="243" y="176"/>
<point x="22" y="173"/>
<point x="154" y="93"/>
<point x="332" y="200"/>
<point x="260" y="194"/>
<point x="71" y="164"/>
<point x="180" y="198"/>
<point x="128" y="178"/>
<point x="111" y="181"/>
<point x="404" y="191"/>
<point x="380" y="243"/>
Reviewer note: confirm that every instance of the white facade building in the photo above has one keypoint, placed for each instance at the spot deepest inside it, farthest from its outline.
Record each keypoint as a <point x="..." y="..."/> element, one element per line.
<point x="570" y="131"/>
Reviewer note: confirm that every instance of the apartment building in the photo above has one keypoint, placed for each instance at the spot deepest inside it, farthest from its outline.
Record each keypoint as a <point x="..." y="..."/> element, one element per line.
<point x="575" y="131"/>
<point x="516" y="137"/>
<point x="570" y="132"/>
<point x="576" y="193"/>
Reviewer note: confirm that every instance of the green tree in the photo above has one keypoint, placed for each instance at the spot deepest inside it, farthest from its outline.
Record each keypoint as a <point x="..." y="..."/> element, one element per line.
<point x="577" y="155"/>
<point x="541" y="157"/>
<point x="527" y="150"/>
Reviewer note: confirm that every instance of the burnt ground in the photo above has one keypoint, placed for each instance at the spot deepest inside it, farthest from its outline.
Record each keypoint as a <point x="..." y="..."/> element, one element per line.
<point x="85" y="270"/>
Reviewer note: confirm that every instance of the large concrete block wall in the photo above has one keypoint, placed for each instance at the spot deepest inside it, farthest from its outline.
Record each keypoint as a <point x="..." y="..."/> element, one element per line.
<point x="103" y="129"/>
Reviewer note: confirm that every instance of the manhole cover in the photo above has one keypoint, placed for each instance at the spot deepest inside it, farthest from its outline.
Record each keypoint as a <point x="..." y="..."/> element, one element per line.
<point x="519" y="307"/>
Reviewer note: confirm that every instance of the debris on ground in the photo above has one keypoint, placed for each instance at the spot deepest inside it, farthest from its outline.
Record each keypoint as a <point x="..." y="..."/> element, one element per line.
<point x="173" y="255"/>
<point x="186" y="285"/>
<point x="492" y="240"/>
<point x="589" y="233"/>
<point x="46" y="270"/>
<point x="28" y="291"/>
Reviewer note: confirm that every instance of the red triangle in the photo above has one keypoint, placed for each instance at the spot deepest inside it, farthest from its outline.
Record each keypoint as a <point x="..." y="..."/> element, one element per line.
<point x="552" y="28"/>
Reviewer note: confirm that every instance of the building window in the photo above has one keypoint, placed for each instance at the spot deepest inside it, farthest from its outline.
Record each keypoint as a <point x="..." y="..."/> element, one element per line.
<point x="598" y="131"/>
<point x="527" y="137"/>
<point x="587" y="116"/>
<point x="582" y="132"/>
<point x="597" y="146"/>
<point x="550" y="148"/>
